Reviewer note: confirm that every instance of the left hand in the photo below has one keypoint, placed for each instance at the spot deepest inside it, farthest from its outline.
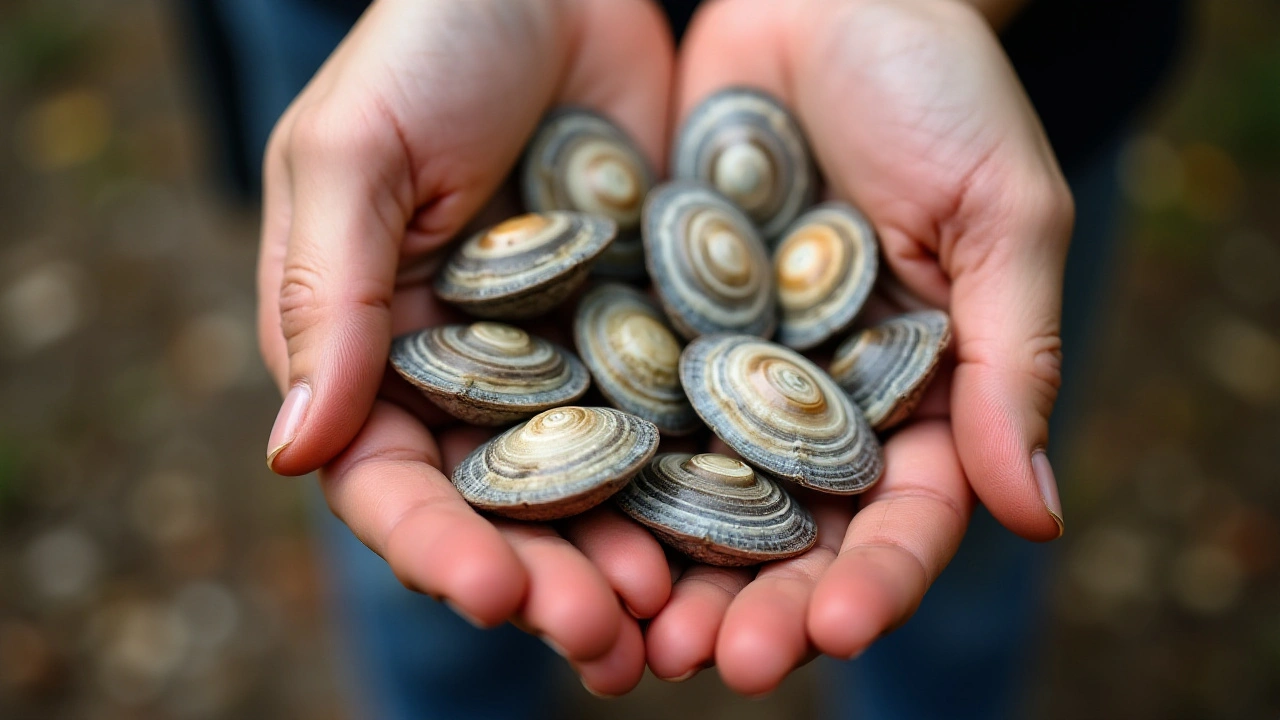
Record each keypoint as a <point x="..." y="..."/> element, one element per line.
<point x="915" y="114"/>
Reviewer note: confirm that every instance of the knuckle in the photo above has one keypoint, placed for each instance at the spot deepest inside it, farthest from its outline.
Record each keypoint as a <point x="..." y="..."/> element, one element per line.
<point x="299" y="299"/>
<point x="327" y="131"/>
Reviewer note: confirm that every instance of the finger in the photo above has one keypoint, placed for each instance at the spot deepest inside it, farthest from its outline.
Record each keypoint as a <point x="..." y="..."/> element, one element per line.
<point x="763" y="636"/>
<point x="681" y="639"/>
<point x="568" y="603"/>
<point x="1007" y="309"/>
<point x="627" y="555"/>
<point x="350" y="202"/>
<point x="619" y="670"/>
<point x="907" y="531"/>
<point x="387" y="489"/>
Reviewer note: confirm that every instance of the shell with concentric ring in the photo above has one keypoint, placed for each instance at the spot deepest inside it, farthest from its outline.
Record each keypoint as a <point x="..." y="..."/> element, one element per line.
<point x="886" y="368"/>
<point x="745" y="143"/>
<point x="781" y="413"/>
<point x="633" y="356"/>
<point x="560" y="463"/>
<point x="825" y="268"/>
<point x="717" y="510"/>
<point x="524" y="266"/>
<point x="580" y="160"/>
<point x="489" y="373"/>
<point x="708" y="264"/>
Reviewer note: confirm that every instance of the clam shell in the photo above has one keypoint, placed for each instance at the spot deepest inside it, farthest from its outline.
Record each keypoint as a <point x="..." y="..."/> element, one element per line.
<point x="886" y="368"/>
<point x="717" y="510"/>
<point x="781" y="413"/>
<point x="561" y="462"/>
<point x="634" y="356"/>
<point x="744" y="143"/>
<point x="825" y="268"/>
<point x="708" y="265"/>
<point x="579" y="160"/>
<point x="524" y="266"/>
<point x="488" y="373"/>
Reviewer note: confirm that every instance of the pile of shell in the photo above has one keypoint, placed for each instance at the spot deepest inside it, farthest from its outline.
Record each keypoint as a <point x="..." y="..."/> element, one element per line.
<point x="746" y="184"/>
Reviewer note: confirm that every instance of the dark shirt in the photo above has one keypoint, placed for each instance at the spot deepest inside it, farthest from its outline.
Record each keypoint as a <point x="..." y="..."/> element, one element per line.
<point x="1088" y="65"/>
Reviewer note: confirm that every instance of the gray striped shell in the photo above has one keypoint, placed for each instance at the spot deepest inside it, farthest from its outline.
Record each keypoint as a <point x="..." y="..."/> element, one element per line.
<point x="488" y="373"/>
<point x="745" y="144"/>
<point x="717" y="510"/>
<point x="560" y="463"/>
<point x="781" y="413"/>
<point x="634" y="357"/>
<point x="886" y="368"/>
<point x="708" y="265"/>
<point x="579" y="160"/>
<point x="524" y="266"/>
<point x="825" y="268"/>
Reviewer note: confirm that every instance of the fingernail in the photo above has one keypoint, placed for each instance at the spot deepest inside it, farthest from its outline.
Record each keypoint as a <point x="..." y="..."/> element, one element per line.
<point x="556" y="648"/>
<point x="597" y="693"/>
<point x="285" y="430"/>
<point x="686" y="676"/>
<point x="459" y="612"/>
<point x="1048" y="486"/>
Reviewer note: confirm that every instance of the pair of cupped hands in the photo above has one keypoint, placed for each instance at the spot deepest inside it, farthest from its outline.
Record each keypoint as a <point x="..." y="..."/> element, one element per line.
<point x="409" y="129"/>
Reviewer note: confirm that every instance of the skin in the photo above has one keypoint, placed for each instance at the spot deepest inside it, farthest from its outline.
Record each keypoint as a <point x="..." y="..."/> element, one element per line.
<point x="395" y="145"/>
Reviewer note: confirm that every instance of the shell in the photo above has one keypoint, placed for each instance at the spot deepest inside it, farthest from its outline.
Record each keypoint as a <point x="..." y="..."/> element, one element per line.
<point x="825" y="268"/>
<point x="524" y="266"/>
<point x="717" y="510"/>
<point x="708" y="265"/>
<point x="886" y="368"/>
<point x="781" y="413"/>
<point x="634" y="357"/>
<point x="488" y="373"/>
<point x="579" y="160"/>
<point x="560" y="463"/>
<point x="744" y="143"/>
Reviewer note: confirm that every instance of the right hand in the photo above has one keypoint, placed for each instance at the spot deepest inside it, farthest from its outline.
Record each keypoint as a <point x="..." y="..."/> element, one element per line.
<point x="399" y="140"/>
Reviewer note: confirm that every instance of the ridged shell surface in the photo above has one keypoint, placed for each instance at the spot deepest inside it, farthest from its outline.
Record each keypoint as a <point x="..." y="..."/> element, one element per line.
<point x="707" y="262"/>
<point x="634" y="356"/>
<point x="717" y="510"/>
<point x="524" y="266"/>
<point x="886" y="368"/>
<point x="579" y="160"/>
<point x="560" y="463"/>
<point x="744" y="143"/>
<point x="489" y="373"/>
<point x="825" y="268"/>
<point x="781" y="413"/>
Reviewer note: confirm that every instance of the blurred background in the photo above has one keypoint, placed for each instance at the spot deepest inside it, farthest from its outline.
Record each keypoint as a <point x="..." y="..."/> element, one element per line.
<point x="151" y="566"/>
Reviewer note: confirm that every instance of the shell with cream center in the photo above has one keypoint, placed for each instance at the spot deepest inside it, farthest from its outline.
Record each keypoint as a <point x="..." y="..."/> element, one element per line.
<point x="524" y="266"/>
<point x="886" y="368"/>
<point x="708" y="264"/>
<point x="633" y="356"/>
<point x="560" y="463"/>
<point x="825" y="266"/>
<point x="781" y="413"/>
<point x="717" y="510"/>
<point x="488" y="373"/>
<point x="579" y="160"/>
<point x="744" y="143"/>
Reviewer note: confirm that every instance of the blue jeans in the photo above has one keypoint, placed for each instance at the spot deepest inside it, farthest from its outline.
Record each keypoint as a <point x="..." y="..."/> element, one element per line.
<point x="966" y="653"/>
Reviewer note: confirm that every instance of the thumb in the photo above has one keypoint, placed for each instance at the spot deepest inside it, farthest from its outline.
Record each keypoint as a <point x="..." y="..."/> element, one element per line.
<point x="337" y="280"/>
<point x="1006" y="307"/>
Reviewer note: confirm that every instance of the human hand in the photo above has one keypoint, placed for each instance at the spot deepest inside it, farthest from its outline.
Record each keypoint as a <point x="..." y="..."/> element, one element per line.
<point x="914" y="114"/>
<point x="401" y="138"/>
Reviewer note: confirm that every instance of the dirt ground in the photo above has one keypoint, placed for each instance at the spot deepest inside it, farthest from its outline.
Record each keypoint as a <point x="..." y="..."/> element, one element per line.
<point x="151" y="567"/>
